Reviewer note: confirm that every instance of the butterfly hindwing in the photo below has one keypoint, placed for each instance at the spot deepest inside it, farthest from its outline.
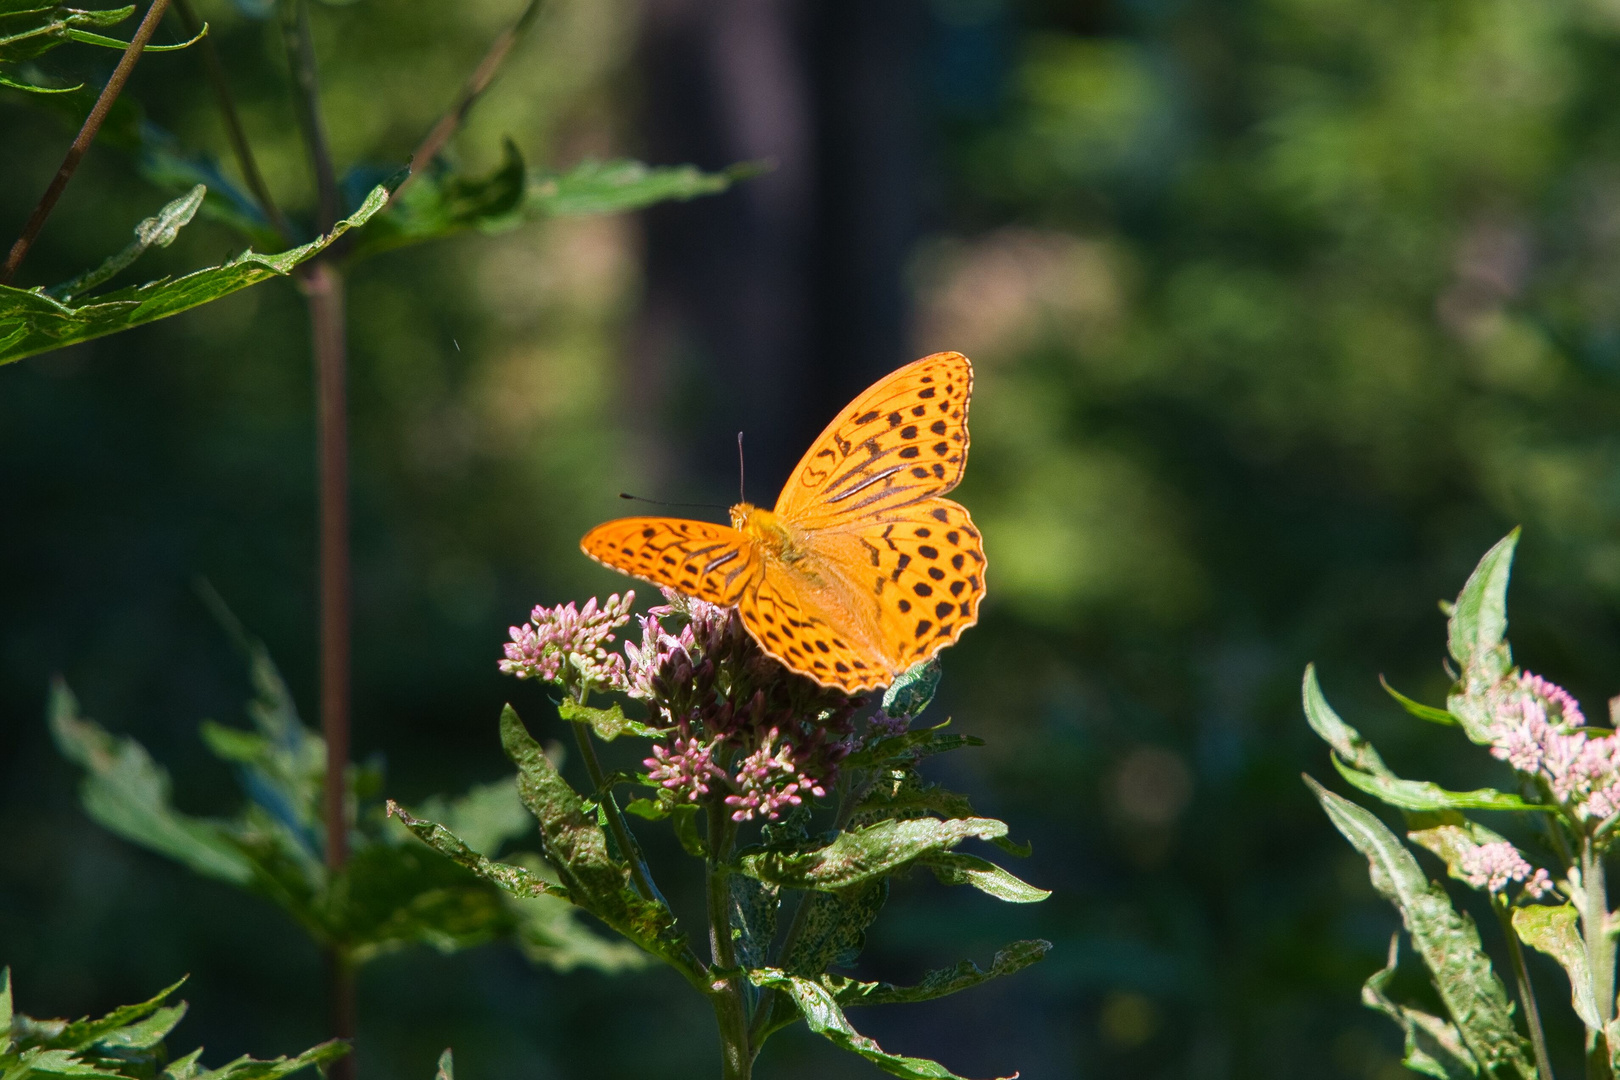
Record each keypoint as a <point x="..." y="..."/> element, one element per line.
<point x="903" y="441"/>
<point x="793" y="631"/>
<point x="927" y="578"/>
<point x="711" y="562"/>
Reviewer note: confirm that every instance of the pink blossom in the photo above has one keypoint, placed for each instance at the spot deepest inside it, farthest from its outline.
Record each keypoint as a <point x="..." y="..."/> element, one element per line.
<point x="1539" y="730"/>
<point x="686" y="767"/>
<point x="562" y="643"/>
<point x="1493" y="866"/>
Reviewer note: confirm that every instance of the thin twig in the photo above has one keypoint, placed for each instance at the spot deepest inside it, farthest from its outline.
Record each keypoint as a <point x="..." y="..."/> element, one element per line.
<point x="1527" y="994"/>
<point x="471" y="91"/>
<point x="233" y="123"/>
<point x="306" y="94"/>
<point x="87" y="135"/>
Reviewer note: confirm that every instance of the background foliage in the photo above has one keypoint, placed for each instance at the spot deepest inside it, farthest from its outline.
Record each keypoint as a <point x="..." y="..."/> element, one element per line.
<point x="1283" y="313"/>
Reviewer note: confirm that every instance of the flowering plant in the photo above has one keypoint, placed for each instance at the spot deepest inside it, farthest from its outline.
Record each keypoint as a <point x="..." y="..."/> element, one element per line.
<point x="1567" y="779"/>
<point x="795" y="807"/>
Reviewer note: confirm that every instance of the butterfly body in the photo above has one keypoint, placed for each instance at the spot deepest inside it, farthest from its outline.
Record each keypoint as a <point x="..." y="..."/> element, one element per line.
<point x="862" y="568"/>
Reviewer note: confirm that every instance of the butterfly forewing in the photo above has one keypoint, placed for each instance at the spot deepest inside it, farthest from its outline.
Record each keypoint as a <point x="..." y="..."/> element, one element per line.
<point x="926" y="576"/>
<point x="711" y="562"/>
<point x="902" y="442"/>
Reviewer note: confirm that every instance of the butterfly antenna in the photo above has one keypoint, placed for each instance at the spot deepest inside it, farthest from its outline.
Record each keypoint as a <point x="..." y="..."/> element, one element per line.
<point x="742" y="486"/>
<point x="661" y="502"/>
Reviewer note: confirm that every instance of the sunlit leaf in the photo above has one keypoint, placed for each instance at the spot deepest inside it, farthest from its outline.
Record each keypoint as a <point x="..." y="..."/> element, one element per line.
<point x="1434" y="1047"/>
<point x="1447" y="940"/>
<point x="32" y="322"/>
<point x="608" y="723"/>
<point x="940" y="983"/>
<point x="863" y="854"/>
<point x="821" y="1012"/>
<point x="956" y="868"/>
<point x="1476" y="631"/>
<point x="1417" y="708"/>
<point x="1423" y="795"/>
<point x="1555" y="931"/>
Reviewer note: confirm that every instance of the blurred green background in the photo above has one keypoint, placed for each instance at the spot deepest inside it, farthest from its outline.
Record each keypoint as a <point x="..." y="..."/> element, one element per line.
<point x="1283" y="312"/>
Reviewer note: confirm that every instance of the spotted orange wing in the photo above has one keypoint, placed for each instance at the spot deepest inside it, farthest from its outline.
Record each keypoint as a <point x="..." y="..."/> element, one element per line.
<point x="902" y="442"/>
<point x="711" y="562"/>
<point x="811" y="636"/>
<point x="926" y="573"/>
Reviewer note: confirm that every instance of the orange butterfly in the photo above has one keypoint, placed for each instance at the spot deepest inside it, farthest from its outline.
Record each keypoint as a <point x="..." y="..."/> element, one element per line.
<point x="862" y="570"/>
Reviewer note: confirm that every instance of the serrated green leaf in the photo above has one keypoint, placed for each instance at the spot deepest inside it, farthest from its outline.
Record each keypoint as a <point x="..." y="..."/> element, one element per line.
<point x="1422" y="795"/>
<point x="246" y="1068"/>
<point x="863" y="854"/>
<point x="28" y="32"/>
<point x="832" y="929"/>
<point x="509" y="877"/>
<point x="485" y="818"/>
<point x="1447" y="941"/>
<point x="940" y="983"/>
<point x="608" y="723"/>
<point x="439" y="203"/>
<point x="1434" y="1047"/>
<point x="184" y="1068"/>
<point x="905" y="749"/>
<point x="1345" y="740"/>
<point x="41" y="1062"/>
<point x="31" y="322"/>
<point x="5" y="1010"/>
<point x="127" y="793"/>
<point x="144" y="1034"/>
<point x="825" y="1018"/>
<point x="159" y="230"/>
<point x="1554" y="931"/>
<point x="912" y="692"/>
<point x="1417" y="708"/>
<point x="1477" y="629"/>
<point x="902" y="793"/>
<point x="578" y="849"/>
<point x="955" y="868"/>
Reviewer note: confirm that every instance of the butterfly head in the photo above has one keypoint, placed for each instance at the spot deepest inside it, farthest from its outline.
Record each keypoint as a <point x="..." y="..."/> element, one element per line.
<point x="764" y="528"/>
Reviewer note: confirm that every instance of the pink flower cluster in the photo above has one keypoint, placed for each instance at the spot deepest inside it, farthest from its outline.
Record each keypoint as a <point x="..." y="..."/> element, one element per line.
<point x="769" y="782"/>
<point x="1494" y="866"/>
<point x="686" y="767"/>
<point x="565" y="644"/>
<point x="1540" y="731"/>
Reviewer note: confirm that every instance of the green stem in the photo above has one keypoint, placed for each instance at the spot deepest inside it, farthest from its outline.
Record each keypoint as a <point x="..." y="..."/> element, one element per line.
<point x="616" y="823"/>
<point x="1527" y="995"/>
<point x="1599" y="951"/>
<point x="727" y="993"/>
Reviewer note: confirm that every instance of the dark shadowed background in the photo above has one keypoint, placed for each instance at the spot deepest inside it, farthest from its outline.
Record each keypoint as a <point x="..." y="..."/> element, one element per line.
<point x="1283" y="311"/>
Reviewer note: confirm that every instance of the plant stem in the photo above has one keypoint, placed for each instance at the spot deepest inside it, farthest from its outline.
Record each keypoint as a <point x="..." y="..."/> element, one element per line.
<point x="730" y="1008"/>
<point x="306" y="96"/>
<point x="323" y="291"/>
<point x="616" y="823"/>
<point x="81" y="144"/>
<point x="1527" y="995"/>
<point x="1599" y="949"/>
<point x="471" y="91"/>
<point x="245" y="161"/>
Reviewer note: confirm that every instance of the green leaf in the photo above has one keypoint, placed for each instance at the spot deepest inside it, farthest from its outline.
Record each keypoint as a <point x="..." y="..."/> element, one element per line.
<point x="608" y="723"/>
<point x="863" y="854"/>
<point x="513" y="879"/>
<point x="754" y="907"/>
<point x="1423" y="795"/>
<point x="551" y="931"/>
<point x="5" y="1010"/>
<point x="1434" y="1047"/>
<point x="1477" y="629"/>
<point x="32" y="322"/>
<point x="485" y="818"/>
<point x="1417" y="708"/>
<point x="246" y="1068"/>
<point x="145" y="1034"/>
<point x="819" y="1009"/>
<point x="905" y="749"/>
<point x="156" y="231"/>
<point x="127" y="793"/>
<point x="1452" y="837"/>
<point x="955" y="868"/>
<point x="438" y="203"/>
<point x="28" y="31"/>
<point x="1345" y="740"/>
<point x="578" y="849"/>
<point x="447" y="1066"/>
<point x="1447" y="941"/>
<point x="832" y="928"/>
<point x="1554" y="930"/>
<point x="940" y="983"/>
<point x="911" y="693"/>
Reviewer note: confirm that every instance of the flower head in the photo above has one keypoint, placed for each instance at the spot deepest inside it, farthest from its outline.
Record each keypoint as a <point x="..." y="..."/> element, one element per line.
<point x="565" y="644"/>
<point x="1539" y="729"/>
<point x="1494" y="866"/>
